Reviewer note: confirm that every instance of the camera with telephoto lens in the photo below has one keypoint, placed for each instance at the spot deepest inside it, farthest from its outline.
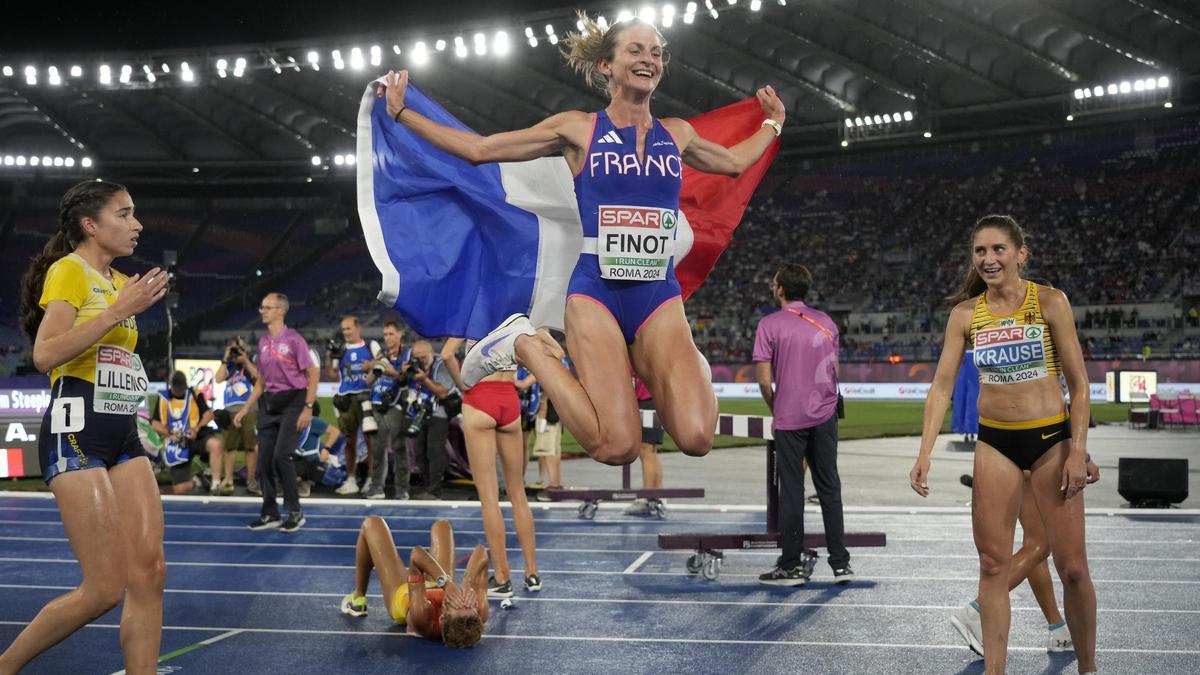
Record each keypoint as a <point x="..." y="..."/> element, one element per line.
<point x="410" y="369"/>
<point x="420" y="417"/>
<point x="377" y="368"/>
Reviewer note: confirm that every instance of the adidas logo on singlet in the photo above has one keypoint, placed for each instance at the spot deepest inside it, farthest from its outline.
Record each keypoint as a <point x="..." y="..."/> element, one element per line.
<point x="610" y="137"/>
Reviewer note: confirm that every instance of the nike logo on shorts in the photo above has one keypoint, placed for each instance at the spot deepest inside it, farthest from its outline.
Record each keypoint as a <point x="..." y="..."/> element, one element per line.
<point x="1046" y="436"/>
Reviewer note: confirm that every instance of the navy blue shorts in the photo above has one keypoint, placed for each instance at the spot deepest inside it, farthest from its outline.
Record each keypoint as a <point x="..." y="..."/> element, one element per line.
<point x="631" y="303"/>
<point x="74" y="437"/>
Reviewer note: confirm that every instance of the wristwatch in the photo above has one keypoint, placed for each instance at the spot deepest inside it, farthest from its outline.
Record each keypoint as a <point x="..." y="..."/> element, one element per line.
<point x="308" y="404"/>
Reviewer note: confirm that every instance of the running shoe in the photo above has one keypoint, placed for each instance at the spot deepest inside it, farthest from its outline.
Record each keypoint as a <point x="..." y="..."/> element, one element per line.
<point x="499" y="590"/>
<point x="350" y="487"/>
<point x="227" y="488"/>
<point x="264" y="522"/>
<point x="843" y="575"/>
<point x="533" y="583"/>
<point x="495" y="352"/>
<point x="1059" y="638"/>
<point x="376" y="494"/>
<point x="967" y="622"/>
<point x="304" y="488"/>
<point x="354" y="605"/>
<point x="781" y="577"/>
<point x="253" y="487"/>
<point x="295" y="521"/>
<point x="638" y="507"/>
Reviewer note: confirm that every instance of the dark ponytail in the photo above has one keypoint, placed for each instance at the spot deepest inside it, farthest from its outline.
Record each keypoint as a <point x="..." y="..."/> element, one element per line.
<point x="974" y="284"/>
<point x="84" y="200"/>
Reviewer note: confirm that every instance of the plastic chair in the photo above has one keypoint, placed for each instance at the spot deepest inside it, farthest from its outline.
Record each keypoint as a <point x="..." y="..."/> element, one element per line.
<point x="1155" y="402"/>
<point x="1187" y="412"/>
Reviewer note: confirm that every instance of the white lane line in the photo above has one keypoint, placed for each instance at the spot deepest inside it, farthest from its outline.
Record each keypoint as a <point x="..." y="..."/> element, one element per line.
<point x="576" y="572"/>
<point x="590" y="638"/>
<point x="634" y="601"/>
<point x="638" y="563"/>
<point x="203" y="643"/>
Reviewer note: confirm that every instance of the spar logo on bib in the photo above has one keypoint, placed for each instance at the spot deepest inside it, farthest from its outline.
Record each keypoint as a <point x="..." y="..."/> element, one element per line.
<point x="635" y="242"/>
<point x="1010" y="354"/>
<point x="637" y="216"/>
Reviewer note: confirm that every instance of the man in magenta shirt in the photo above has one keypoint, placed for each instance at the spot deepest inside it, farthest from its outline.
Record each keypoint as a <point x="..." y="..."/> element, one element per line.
<point x="285" y="393"/>
<point x="797" y="347"/>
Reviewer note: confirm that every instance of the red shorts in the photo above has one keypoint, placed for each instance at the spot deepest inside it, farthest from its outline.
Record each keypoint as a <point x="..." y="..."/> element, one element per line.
<point x="497" y="398"/>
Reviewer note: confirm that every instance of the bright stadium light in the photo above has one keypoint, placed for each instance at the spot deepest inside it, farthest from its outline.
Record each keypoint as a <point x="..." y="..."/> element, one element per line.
<point x="35" y="160"/>
<point x="908" y="116"/>
<point x="151" y="78"/>
<point x="858" y="121"/>
<point x="185" y="72"/>
<point x="1111" y="89"/>
<point x="1070" y="118"/>
<point x="316" y="160"/>
<point x="647" y="14"/>
<point x="1097" y="91"/>
<point x="849" y="123"/>
<point x="76" y="71"/>
<point x="396" y="49"/>
<point x="339" y="160"/>
<point x="1139" y="85"/>
<point x="9" y="160"/>
<point x="440" y="45"/>
<point x="356" y="59"/>
<point x="1167" y="104"/>
<point x="460" y="47"/>
<point x="668" y="15"/>
<point x="350" y="159"/>
<point x="166" y="69"/>
<point x="480" y="44"/>
<point x="1078" y="94"/>
<point x="1163" y="82"/>
<point x="126" y="73"/>
<point x="878" y="120"/>
<point x="624" y="15"/>
<point x="53" y="78"/>
<point x="8" y="71"/>
<point x="20" y="160"/>
<point x="314" y="59"/>
<point x="419" y="54"/>
<point x="845" y="143"/>
<point x="58" y="161"/>
<point x="30" y="75"/>
<point x="755" y="5"/>
<point x="86" y="162"/>
<point x="532" y="41"/>
<point x="528" y="31"/>
<point x="1125" y="87"/>
<point x="70" y="162"/>
<point x="602" y="22"/>
<point x="500" y="43"/>
<point x="867" y="121"/>
<point x="376" y="55"/>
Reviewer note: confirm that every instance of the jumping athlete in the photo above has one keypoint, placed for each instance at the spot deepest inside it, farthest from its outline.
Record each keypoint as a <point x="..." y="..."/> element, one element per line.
<point x="624" y="302"/>
<point x="79" y="312"/>
<point x="1024" y="338"/>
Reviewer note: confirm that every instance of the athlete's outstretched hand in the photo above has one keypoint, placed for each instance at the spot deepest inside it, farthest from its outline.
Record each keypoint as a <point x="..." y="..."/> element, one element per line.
<point x="771" y="105"/>
<point x="140" y="292"/>
<point x="918" y="478"/>
<point x="394" y="86"/>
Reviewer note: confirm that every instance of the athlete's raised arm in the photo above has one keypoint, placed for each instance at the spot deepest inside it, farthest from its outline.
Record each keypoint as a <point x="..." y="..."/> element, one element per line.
<point x="709" y="157"/>
<point x="557" y="133"/>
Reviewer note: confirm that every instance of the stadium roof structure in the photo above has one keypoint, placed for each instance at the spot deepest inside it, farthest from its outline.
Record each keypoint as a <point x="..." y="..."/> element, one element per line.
<point x="284" y="109"/>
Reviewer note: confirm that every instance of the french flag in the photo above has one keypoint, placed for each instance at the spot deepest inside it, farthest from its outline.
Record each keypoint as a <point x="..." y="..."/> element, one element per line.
<point x="461" y="247"/>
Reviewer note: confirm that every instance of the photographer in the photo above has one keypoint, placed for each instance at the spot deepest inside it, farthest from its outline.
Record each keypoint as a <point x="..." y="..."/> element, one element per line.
<point x="350" y="362"/>
<point x="387" y="380"/>
<point x="239" y="373"/>
<point x="181" y="418"/>
<point x="429" y="386"/>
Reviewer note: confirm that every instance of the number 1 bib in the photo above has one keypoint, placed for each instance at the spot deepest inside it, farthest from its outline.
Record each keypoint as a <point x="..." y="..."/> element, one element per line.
<point x="121" y="381"/>
<point x="635" y="243"/>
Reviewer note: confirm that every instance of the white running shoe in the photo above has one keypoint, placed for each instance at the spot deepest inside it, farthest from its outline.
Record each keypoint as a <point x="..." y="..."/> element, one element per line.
<point x="350" y="487"/>
<point x="1059" y="640"/>
<point x="495" y="352"/>
<point x="638" y="507"/>
<point x="967" y="622"/>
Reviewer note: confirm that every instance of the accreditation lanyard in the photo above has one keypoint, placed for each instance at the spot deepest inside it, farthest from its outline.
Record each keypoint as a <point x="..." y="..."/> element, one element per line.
<point x="828" y="334"/>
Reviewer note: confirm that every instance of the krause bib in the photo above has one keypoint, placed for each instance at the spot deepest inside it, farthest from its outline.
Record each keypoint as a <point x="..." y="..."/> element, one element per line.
<point x="121" y="381"/>
<point x="1010" y="354"/>
<point x="635" y="243"/>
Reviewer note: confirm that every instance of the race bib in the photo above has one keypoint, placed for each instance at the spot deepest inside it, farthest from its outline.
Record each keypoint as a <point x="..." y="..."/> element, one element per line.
<point x="635" y="242"/>
<point x="1010" y="354"/>
<point x="121" y="382"/>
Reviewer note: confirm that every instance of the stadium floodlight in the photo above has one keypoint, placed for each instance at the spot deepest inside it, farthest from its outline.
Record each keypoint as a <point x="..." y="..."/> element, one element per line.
<point x="1139" y="85"/>
<point x="8" y="160"/>
<point x="76" y="71"/>
<point x="1125" y="87"/>
<point x="858" y="121"/>
<point x="460" y="47"/>
<point x="20" y="160"/>
<point x="1097" y="91"/>
<point x="849" y="123"/>
<point x="688" y="18"/>
<point x="126" y="73"/>
<point x="396" y="49"/>
<point x="500" y="43"/>
<point x="624" y="15"/>
<point x="782" y="3"/>
<point x="668" y="15"/>
<point x="602" y="22"/>
<point x="908" y="116"/>
<point x="867" y="120"/>
<point x="316" y="160"/>
<point x="376" y="55"/>
<point x="356" y="59"/>
<point x="70" y="162"/>
<point x="58" y="161"/>
<point x="1111" y="89"/>
<point x="927" y="134"/>
<point x="274" y="65"/>
<point x="755" y="5"/>
<point x="8" y="71"/>
<point x="46" y="161"/>
<point x="185" y="72"/>
<point x="480" y="44"/>
<point x="1168" y="105"/>
<point x="532" y="41"/>
<point x="166" y="69"/>
<point x="35" y="160"/>
<point x="350" y="159"/>
<point x="1078" y="94"/>
<point x="1163" y="82"/>
<point x="419" y="55"/>
<point x="86" y="162"/>
<point x="339" y="160"/>
<point x="440" y="45"/>
<point x="845" y="143"/>
<point x="30" y="75"/>
<point x="151" y="78"/>
<point x="53" y="78"/>
<point x="314" y="58"/>
<point x="878" y="120"/>
<point x="579" y="25"/>
<point x="528" y="31"/>
<point x="549" y="29"/>
<point x="1070" y="118"/>
<point x="647" y="14"/>
<point x="690" y="8"/>
<point x="887" y="118"/>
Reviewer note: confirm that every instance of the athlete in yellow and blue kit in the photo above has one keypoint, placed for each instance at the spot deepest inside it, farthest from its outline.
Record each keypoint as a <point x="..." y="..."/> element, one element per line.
<point x="79" y="313"/>
<point x="1024" y="339"/>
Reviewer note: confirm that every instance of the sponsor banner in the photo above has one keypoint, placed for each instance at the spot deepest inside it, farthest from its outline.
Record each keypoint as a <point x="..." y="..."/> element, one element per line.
<point x="1169" y="371"/>
<point x="892" y="391"/>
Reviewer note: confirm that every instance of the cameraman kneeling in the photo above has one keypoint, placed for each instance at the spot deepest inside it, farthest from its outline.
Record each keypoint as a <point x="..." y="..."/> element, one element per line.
<point x="430" y="384"/>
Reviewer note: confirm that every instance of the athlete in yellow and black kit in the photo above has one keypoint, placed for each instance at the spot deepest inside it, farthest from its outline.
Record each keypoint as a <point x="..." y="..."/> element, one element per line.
<point x="1024" y="340"/>
<point x="79" y="314"/>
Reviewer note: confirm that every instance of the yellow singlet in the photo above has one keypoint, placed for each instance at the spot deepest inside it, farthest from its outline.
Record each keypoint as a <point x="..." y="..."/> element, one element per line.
<point x="1014" y="347"/>
<point x="73" y="280"/>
